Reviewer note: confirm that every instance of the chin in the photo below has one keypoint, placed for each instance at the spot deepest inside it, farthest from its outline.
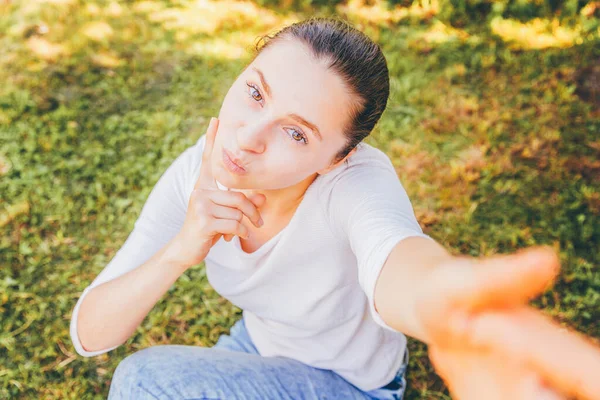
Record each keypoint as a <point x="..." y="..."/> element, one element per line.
<point x="230" y="181"/>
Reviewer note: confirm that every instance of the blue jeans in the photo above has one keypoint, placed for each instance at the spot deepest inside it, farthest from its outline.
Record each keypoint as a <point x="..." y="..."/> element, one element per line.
<point x="233" y="369"/>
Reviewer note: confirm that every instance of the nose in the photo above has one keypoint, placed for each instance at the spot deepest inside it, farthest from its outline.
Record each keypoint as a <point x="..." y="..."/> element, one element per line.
<point x="252" y="137"/>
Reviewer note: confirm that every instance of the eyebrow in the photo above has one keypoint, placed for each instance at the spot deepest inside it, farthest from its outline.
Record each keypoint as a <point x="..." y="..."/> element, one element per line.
<point x="297" y="117"/>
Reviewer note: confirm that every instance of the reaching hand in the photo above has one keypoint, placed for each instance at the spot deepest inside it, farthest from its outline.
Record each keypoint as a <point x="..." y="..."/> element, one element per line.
<point x="488" y="344"/>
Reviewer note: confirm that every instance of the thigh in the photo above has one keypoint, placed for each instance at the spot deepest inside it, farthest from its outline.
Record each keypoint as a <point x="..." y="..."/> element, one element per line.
<point x="192" y="372"/>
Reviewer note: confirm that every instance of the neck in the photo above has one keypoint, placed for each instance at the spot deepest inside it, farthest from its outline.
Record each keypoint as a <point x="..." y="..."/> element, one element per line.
<point x="282" y="201"/>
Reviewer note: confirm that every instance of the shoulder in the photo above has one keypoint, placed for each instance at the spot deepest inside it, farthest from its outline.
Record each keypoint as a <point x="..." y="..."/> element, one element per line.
<point x="365" y="203"/>
<point x="367" y="185"/>
<point x="176" y="183"/>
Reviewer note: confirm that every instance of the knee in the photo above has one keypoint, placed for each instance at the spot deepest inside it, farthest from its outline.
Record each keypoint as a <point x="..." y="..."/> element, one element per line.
<point x="136" y="363"/>
<point x="171" y="371"/>
<point x="137" y="372"/>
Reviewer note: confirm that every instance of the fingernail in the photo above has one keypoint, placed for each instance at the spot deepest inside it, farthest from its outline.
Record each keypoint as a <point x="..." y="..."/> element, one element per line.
<point x="260" y="222"/>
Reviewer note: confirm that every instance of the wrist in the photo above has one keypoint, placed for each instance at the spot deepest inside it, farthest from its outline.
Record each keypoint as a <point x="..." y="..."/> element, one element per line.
<point x="435" y="314"/>
<point x="175" y="255"/>
<point x="420" y="311"/>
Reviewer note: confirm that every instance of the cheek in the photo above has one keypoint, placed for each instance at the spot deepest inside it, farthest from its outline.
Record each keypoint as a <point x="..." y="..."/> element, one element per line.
<point x="286" y="168"/>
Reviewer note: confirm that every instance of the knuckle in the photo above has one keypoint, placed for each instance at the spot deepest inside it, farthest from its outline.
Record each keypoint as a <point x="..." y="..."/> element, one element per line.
<point x="202" y="202"/>
<point x="239" y="197"/>
<point x="239" y="215"/>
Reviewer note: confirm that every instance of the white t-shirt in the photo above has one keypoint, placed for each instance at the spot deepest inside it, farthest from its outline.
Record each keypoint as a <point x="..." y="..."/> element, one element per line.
<point x="307" y="293"/>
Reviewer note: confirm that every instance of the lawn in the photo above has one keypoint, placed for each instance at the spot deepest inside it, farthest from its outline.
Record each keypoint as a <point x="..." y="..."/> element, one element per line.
<point x="494" y="129"/>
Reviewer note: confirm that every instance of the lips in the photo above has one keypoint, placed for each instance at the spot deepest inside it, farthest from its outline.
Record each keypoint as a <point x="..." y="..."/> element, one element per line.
<point x="233" y="162"/>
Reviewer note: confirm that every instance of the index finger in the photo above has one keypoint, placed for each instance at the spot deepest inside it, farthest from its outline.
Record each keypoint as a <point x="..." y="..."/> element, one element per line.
<point x="503" y="280"/>
<point x="206" y="179"/>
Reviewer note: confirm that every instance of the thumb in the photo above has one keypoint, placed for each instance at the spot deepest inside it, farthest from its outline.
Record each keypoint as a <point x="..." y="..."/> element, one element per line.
<point x="465" y="285"/>
<point x="507" y="280"/>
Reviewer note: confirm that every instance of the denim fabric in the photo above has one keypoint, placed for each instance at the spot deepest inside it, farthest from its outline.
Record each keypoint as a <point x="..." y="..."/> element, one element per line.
<point x="233" y="369"/>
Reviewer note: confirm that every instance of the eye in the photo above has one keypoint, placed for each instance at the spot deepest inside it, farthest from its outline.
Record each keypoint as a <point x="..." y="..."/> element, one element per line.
<point x="298" y="137"/>
<point x="254" y="92"/>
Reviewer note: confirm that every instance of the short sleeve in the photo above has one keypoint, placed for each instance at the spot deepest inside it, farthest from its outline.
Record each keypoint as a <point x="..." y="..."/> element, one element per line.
<point x="160" y="219"/>
<point x="370" y="209"/>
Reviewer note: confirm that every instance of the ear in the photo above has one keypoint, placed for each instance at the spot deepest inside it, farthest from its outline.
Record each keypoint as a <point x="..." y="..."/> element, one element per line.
<point x="337" y="164"/>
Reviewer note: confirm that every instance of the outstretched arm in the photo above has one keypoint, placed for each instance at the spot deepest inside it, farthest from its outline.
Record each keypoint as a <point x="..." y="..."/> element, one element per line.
<point x="407" y="267"/>
<point x="473" y="314"/>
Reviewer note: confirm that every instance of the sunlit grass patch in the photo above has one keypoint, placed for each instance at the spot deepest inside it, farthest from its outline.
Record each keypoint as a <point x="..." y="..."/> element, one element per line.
<point x="97" y="30"/>
<point x="206" y="16"/>
<point x="439" y="32"/>
<point x="538" y="33"/>
<point x="380" y="12"/>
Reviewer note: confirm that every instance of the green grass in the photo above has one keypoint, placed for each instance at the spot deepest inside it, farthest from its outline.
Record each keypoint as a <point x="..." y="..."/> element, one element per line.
<point x="489" y="136"/>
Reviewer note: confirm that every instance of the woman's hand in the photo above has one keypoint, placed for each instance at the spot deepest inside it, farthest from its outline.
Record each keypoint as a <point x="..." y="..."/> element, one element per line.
<point x="482" y="334"/>
<point x="212" y="212"/>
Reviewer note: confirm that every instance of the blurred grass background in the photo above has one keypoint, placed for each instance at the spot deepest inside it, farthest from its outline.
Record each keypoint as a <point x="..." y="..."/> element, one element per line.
<point x="492" y="123"/>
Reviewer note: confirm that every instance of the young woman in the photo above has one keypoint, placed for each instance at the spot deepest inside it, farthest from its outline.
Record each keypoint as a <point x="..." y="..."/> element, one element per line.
<point x="310" y="232"/>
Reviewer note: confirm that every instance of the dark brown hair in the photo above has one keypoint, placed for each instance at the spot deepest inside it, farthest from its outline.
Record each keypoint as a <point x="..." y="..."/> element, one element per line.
<point x="355" y="57"/>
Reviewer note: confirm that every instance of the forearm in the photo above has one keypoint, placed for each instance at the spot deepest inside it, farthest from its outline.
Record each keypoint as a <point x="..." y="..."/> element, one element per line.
<point x="110" y="312"/>
<point x="404" y="272"/>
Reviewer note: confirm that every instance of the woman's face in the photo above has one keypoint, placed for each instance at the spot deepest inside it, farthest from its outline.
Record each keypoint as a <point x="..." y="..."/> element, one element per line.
<point x="285" y="127"/>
